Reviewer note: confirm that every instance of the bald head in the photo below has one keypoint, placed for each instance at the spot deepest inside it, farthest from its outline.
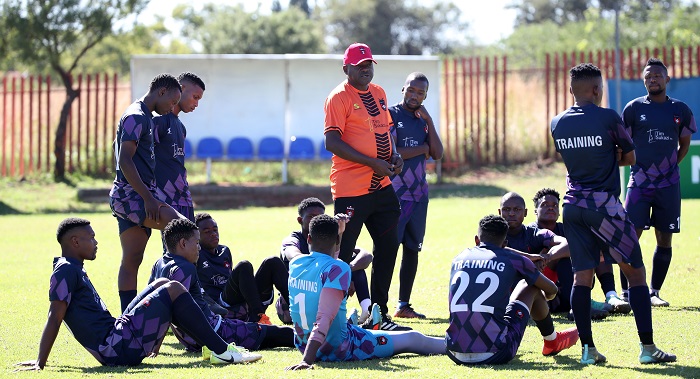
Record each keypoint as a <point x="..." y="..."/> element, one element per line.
<point x="512" y="195"/>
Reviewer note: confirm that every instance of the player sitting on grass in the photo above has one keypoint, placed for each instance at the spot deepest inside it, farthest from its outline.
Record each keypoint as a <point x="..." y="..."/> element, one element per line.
<point x="487" y="321"/>
<point x="244" y="295"/>
<point x="318" y="288"/>
<point x="139" y="332"/>
<point x="559" y="271"/>
<point x="533" y="240"/>
<point x="182" y="241"/>
<point x="295" y="244"/>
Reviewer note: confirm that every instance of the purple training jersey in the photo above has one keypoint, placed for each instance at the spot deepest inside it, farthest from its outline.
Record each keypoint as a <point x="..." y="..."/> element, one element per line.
<point x="558" y="228"/>
<point x="481" y="280"/>
<point x="175" y="267"/>
<point x="587" y="138"/>
<point x="296" y="239"/>
<point x="410" y="131"/>
<point x="136" y="124"/>
<point x="87" y="316"/>
<point x="214" y="270"/>
<point x="530" y="239"/>
<point x="169" y="145"/>
<point x="655" y="129"/>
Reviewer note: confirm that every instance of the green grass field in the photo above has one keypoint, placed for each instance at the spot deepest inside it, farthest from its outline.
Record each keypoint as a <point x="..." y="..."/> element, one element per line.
<point x="29" y="245"/>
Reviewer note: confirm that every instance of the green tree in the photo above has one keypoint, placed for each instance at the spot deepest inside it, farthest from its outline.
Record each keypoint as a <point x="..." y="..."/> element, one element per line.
<point x="395" y="27"/>
<point x="60" y="33"/>
<point x="113" y="54"/>
<point x="562" y="12"/>
<point x="221" y="29"/>
<point x="654" y="27"/>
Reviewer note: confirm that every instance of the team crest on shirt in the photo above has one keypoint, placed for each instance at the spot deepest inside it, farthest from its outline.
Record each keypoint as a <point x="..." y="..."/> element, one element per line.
<point x="382" y="340"/>
<point x="382" y="103"/>
<point x="519" y="313"/>
<point x="219" y="280"/>
<point x="677" y="119"/>
<point x="227" y="264"/>
<point x="350" y="211"/>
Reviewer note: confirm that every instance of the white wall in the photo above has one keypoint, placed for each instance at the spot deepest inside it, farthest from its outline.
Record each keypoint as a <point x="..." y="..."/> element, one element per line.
<point x="246" y="94"/>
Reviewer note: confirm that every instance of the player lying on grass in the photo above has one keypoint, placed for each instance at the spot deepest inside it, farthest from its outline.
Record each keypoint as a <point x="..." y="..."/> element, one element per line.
<point x="318" y="288"/>
<point x="136" y="334"/>
<point x="235" y="290"/>
<point x="487" y="321"/>
<point x="182" y="241"/>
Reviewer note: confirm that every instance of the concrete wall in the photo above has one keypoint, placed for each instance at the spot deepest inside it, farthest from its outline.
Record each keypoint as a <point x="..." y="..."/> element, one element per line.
<point x="273" y="95"/>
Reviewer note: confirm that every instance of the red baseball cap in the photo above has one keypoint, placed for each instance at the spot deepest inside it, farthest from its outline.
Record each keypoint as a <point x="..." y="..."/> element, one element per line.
<point x="357" y="53"/>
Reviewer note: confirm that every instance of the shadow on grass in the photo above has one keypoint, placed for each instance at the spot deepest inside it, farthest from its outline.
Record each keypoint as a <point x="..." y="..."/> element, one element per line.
<point x="465" y="190"/>
<point x="563" y="362"/>
<point x="8" y="210"/>
<point x="693" y="308"/>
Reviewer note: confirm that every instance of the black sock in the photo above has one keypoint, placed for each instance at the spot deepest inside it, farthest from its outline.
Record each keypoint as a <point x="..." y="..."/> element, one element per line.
<point x="623" y="281"/>
<point x="407" y="273"/>
<point x="189" y="317"/>
<point x="641" y="306"/>
<point x="125" y="298"/>
<point x="546" y="325"/>
<point x="359" y="277"/>
<point x="565" y="284"/>
<point x="277" y="336"/>
<point x="607" y="282"/>
<point x="661" y="261"/>
<point x="581" y="305"/>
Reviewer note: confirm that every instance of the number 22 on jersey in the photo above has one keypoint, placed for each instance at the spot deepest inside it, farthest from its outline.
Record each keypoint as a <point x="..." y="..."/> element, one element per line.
<point x="478" y="304"/>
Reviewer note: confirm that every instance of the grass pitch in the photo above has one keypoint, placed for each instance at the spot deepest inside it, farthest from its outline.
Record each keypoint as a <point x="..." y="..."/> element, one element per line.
<point x="255" y="233"/>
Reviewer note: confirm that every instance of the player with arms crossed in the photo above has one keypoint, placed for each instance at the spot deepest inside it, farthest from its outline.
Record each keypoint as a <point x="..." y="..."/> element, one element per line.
<point x="592" y="142"/>
<point x="661" y="128"/>
<point x="133" y="198"/>
<point x="481" y="280"/>
<point x="131" y="337"/>
<point x="416" y="140"/>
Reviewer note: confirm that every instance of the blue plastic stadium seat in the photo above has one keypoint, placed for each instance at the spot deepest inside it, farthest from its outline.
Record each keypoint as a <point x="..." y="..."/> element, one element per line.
<point x="323" y="153"/>
<point x="302" y="148"/>
<point x="210" y="147"/>
<point x="240" y="149"/>
<point x="271" y="149"/>
<point x="188" y="149"/>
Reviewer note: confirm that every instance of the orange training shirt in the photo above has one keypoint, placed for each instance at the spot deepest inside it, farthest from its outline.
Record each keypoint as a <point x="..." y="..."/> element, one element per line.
<point x="363" y="121"/>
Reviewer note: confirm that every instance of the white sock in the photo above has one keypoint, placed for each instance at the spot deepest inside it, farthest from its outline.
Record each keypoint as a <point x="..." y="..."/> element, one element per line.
<point x="365" y="304"/>
<point x="550" y="337"/>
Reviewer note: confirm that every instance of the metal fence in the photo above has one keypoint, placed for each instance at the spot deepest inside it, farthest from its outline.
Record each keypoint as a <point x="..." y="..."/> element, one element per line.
<point x="30" y="110"/>
<point x="491" y="114"/>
